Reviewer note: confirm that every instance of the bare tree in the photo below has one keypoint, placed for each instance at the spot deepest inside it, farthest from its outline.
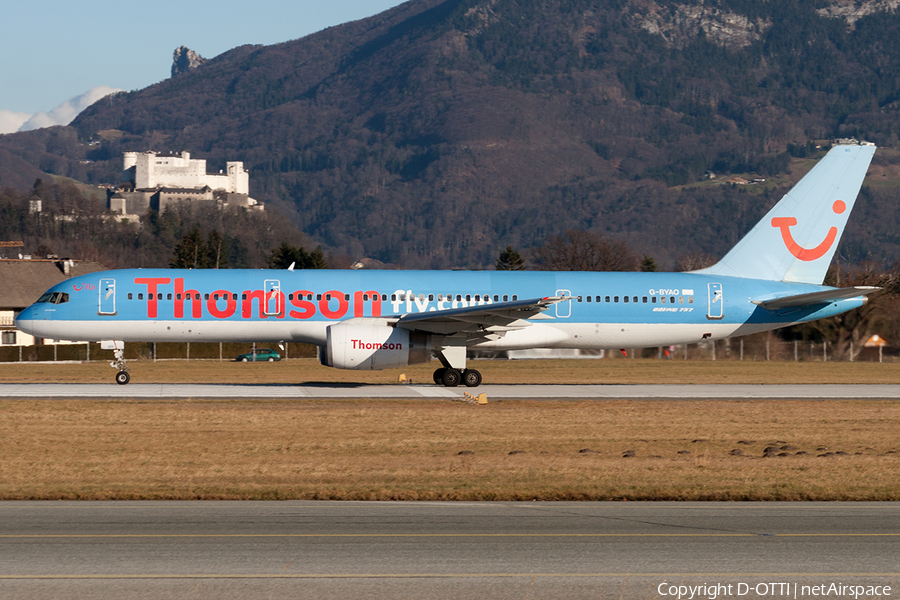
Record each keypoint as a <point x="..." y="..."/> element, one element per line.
<point x="577" y="250"/>
<point x="877" y="315"/>
<point x="694" y="261"/>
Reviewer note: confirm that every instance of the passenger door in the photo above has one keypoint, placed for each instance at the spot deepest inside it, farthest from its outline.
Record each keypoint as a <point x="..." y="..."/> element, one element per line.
<point x="107" y="297"/>
<point x="716" y="306"/>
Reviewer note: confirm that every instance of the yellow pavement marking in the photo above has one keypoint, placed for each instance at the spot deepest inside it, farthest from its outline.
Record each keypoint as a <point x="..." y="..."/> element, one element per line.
<point x="431" y="535"/>
<point x="428" y="575"/>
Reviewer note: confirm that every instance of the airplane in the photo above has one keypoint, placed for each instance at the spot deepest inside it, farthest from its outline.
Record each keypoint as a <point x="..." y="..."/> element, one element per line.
<point x="375" y="320"/>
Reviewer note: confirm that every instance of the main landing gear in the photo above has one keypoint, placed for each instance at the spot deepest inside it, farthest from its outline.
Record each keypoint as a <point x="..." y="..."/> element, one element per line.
<point x="453" y="377"/>
<point x="122" y="377"/>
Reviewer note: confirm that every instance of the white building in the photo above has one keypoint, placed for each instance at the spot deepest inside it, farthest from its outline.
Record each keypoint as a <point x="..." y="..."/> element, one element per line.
<point x="150" y="170"/>
<point x="160" y="180"/>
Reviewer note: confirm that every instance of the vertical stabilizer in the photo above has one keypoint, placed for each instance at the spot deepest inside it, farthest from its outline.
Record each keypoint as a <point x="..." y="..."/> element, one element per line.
<point x="797" y="238"/>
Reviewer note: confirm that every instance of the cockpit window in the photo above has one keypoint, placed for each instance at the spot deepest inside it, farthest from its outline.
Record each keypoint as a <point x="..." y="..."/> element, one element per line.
<point x="54" y="298"/>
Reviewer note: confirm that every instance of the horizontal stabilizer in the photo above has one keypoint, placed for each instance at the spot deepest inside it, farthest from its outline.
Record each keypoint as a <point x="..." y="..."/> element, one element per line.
<point x="815" y="297"/>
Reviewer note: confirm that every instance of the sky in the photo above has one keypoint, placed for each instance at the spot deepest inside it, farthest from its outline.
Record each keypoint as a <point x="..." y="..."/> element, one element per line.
<point x="58" y="49"/>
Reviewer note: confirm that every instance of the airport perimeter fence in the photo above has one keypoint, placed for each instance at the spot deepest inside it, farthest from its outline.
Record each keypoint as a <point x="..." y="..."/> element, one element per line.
<point x="759" y="347"/>
<point x="160" y="351"/>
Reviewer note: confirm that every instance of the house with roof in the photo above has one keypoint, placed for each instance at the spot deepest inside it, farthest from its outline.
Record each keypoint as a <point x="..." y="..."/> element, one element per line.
<point x="23" y="283"/>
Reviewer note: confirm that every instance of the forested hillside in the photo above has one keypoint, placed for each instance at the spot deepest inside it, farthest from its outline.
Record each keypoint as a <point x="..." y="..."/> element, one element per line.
<point x="72" y="225"/>
<point x="440" y="132"/>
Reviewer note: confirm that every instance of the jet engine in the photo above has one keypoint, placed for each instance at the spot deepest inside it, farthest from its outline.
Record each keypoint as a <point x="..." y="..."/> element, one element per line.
<point x="373" y="347"/>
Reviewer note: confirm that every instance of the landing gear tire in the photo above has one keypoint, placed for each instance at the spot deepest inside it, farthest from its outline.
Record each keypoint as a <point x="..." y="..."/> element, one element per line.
<point x="451" y="378"/>
<point x="439" y="376"/>
<point x="122" y="377"/>
<point x="471" y="378"/>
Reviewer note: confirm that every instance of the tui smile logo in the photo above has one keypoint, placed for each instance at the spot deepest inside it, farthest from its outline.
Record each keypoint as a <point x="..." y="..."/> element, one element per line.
<point x="807" y="254"/>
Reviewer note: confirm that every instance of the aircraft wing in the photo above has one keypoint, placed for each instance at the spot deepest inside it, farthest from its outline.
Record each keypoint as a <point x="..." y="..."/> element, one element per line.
<point x="815" y="297"/>
<point x="498" y="317"/>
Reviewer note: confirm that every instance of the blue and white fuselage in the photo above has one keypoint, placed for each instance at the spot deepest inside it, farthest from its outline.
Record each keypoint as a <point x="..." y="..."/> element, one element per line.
<point x="382" y="319"/>
<point x="595" y="310"/>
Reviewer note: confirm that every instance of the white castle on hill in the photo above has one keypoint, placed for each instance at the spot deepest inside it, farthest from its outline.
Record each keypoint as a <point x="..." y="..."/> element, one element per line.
<point x="157" y="180"/>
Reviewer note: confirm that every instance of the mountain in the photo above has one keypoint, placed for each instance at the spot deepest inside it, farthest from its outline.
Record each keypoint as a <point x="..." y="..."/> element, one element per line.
<point x="439" y="132"/>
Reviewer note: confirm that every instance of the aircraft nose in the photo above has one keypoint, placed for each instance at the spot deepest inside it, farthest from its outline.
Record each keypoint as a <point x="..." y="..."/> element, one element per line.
<point x="25" y="319"/>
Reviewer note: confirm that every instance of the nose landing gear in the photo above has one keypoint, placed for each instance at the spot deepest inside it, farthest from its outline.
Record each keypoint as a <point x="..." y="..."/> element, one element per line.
<point x="122" y="377"/>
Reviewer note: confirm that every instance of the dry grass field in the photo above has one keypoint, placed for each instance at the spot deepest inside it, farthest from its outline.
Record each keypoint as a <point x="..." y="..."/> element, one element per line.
<point x="434" y="449"/>
<point x="378" y="449"/>
<point x="585" y="371"/>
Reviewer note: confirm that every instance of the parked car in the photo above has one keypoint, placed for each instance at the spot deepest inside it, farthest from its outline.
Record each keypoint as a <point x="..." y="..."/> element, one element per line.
<point x="261" y="354"/>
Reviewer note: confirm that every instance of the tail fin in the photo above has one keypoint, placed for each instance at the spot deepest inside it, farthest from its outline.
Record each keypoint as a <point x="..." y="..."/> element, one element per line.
<point x="797" y="238"/>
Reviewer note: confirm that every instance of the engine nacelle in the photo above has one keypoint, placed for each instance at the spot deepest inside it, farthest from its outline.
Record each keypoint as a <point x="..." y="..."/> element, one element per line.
<point x="373" y="347"/>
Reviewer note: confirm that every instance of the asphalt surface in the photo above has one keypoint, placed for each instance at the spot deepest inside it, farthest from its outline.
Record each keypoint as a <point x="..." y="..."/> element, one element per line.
<point x="341" y="390"/>
<point x="445" y="550"/>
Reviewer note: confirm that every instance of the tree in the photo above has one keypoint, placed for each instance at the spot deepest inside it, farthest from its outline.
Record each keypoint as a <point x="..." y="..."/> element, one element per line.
<point x="190" y="252"/>
<point x="284" y="255"/>
<point x="648" y="265"/>
<point x="216" y="250"/>
<point x="694" y="261"/>
<point x="584" y="251"/>
<point x="851" y="329"/>
<point x="510" y="260"/>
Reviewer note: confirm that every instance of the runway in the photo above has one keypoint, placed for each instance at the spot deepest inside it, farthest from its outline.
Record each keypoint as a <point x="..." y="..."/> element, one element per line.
<point x="493" y="391"/>
<point x="443" y="550"/>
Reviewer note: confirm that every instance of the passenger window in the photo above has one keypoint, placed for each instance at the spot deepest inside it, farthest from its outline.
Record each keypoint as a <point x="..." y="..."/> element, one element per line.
<point x="588" y="298"/>
<point x="515" y="297"/>
<point x="197" y="296"/>
<point x="505" y="298"/>
<point x="496" y="298"/>
<point x="140" y="296"/>
<point x="671" y="299"/>
<point x="177" y="296"/>
<point x="652" y="299"/>
<point x="216" y="296"/>
<point x="644" y="299"/>
<point x="149" y="296"/>
<point x="468" y="297"/>
<point x="168" y="296"/>
<point x="243" y="296"/>
<point x="615" y="299"/>
<point x="393" y="297"/>
<point x="346" y="296"/>
<point x="384" y="297"/>
<point x="690" y="299"/>
<point x="662" y="299"/>
<point x="431" y="297"/>
<point x="477" y="297"/>
<point x="459" y="297"/>
<point x="130" y="296"/>
<point x="634" y="299"/>
<point x="625" y="299"/>
<point x="680" y="299"/>
<point x="290" y="296"/>
<point x="607" y="299"/>
<point x="205" y="296"/>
